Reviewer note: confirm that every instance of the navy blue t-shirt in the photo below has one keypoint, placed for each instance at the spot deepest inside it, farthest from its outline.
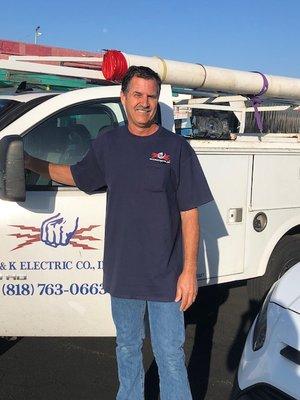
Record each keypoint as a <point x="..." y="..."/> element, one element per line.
<point x="149" y="180"/>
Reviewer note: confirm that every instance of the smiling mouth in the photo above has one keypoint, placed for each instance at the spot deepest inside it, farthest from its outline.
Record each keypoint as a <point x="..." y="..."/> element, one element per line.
<point x="143" y="110"/>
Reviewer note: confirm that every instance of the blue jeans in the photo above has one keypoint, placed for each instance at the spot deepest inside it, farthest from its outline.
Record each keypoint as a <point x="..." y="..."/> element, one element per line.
<point x="167" y="337"/>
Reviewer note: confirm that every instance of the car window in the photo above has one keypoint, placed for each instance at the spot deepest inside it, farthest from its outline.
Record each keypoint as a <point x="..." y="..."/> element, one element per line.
<point x="65" y="137"/>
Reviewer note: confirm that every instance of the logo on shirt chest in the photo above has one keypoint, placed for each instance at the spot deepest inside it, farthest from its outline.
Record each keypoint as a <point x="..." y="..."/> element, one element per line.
<point x="160" y="157"/>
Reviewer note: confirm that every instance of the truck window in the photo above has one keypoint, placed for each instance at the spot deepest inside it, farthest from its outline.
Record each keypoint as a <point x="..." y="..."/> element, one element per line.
<point x="65" y="137"/>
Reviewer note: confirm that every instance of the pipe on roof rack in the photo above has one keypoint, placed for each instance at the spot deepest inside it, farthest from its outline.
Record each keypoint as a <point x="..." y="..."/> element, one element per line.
<point x="198" y="76"/>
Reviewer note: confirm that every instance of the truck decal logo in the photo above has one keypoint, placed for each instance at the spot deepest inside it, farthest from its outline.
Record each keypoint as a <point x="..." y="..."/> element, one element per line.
<point x="55" y="231"/>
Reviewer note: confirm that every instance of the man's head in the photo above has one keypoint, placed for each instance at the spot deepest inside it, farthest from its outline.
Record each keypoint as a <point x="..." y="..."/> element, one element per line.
<point x="140" y="72"/>
<point x="139" y="95"/>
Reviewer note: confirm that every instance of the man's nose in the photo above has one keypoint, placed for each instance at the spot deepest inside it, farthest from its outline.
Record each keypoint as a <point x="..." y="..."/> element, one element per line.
<point x="145" y="101"/>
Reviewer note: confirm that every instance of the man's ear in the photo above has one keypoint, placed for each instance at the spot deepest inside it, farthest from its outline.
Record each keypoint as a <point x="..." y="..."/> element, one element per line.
<point x="123" y="98"/>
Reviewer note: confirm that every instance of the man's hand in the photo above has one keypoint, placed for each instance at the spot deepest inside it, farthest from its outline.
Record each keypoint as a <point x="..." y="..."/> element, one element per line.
<point x="187" y="289"/>
<point x="55" y="172"/>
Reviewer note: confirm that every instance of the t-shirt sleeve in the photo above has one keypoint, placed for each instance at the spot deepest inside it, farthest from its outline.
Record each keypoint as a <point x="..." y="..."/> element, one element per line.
<point x="193" y="190"/>
<point x="89" y="173"/>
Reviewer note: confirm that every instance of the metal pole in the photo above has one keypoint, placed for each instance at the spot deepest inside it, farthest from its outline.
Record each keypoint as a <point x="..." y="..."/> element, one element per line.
<point x="37" y="34"/>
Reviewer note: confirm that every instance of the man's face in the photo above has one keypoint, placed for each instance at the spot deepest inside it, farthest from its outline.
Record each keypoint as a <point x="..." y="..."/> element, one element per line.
<point x="140" y="101"/>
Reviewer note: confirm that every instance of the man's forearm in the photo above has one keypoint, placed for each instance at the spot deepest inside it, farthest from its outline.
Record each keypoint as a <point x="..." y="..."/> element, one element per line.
<point x="190" y="239"/>
<point x="186" y="290"/>
<point x="56" y="172"/>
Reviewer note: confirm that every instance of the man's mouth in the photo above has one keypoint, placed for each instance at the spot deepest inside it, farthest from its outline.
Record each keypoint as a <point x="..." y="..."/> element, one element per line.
<point x="143" y="110"/>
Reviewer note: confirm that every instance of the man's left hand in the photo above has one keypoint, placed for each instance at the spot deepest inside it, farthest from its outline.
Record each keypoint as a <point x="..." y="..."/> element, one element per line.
<point x="187" y="289"/>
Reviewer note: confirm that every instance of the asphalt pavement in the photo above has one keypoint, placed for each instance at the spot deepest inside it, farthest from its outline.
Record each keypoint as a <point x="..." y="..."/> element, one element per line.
<point x="85" y="368"/>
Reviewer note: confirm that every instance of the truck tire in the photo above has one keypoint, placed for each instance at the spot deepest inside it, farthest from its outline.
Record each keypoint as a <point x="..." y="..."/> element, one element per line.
<point x="285" y="254"/>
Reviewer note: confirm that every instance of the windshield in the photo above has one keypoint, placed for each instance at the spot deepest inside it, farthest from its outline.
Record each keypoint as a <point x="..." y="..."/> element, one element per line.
<point x="10" y="110"/>
<point x="6" y="105"/>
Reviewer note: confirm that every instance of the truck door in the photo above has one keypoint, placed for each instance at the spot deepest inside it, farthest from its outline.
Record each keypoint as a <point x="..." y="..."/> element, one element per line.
<point x="223" y="221"/>
<point x="52" y="244"/>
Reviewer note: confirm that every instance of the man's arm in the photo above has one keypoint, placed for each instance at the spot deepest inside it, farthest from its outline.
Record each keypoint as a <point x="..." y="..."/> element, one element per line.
<point x="56" y="172"/>
<point x="187" y="286"/>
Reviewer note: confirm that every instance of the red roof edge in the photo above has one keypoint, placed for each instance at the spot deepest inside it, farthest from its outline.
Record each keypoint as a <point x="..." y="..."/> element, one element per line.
<point x="10" y="47"/>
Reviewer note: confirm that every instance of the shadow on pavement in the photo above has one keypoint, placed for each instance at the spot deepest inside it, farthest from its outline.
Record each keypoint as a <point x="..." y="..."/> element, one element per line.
<point x="203" y="314"/>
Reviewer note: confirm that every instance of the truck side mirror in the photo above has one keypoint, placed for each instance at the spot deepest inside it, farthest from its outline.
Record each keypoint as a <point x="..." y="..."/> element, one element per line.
<point x="12" y="172"/>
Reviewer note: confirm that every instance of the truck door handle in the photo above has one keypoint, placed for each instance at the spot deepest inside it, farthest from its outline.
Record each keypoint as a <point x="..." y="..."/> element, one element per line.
<point x="235" y="215"/>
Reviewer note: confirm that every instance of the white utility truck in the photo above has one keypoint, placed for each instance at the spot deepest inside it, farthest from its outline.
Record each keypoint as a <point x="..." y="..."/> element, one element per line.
<point x="52" y="236"/>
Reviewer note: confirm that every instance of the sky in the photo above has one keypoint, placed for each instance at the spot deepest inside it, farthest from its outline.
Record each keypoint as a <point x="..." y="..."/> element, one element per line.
<point x="260" y="35"/>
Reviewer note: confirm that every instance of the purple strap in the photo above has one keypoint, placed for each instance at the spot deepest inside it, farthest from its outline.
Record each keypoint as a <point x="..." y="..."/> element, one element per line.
<point x="256" y="100"/>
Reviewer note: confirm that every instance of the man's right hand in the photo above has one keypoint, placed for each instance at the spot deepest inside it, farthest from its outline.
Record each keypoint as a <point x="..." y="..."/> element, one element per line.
<point x="56" y="172"/>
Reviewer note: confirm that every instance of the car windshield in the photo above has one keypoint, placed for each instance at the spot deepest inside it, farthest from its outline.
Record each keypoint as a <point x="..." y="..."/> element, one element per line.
<point x="10" y="110"/>
<point x="6" y="105"/>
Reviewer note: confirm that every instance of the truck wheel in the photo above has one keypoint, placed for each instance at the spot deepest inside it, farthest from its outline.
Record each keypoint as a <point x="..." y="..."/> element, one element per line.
<point x="285" y="254"/>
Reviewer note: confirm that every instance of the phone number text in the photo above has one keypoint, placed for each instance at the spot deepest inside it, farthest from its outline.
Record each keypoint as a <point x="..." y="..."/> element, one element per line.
<point x="52" y="289"/>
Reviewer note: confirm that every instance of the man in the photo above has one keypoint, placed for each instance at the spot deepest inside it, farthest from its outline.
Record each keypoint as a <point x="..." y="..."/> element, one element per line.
<point x="155" y="184"/>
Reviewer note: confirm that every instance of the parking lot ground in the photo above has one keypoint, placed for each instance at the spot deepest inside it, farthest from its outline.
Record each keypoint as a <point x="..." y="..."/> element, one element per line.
<point x="85" y="368"/>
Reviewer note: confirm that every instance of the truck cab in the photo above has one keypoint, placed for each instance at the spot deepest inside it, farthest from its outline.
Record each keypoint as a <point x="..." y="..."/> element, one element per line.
<point x="52" y="286"/>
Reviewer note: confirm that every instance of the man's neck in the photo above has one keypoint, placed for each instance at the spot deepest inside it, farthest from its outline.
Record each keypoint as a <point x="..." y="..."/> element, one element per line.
<point x="142" y="131"/>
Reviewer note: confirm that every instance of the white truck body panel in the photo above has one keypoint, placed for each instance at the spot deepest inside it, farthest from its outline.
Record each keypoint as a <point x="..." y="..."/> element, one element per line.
<point x="63" y="295"/>
<point x="276" y="181"/>
<point x="219" y="233"/>
<point x="36" y="264"/>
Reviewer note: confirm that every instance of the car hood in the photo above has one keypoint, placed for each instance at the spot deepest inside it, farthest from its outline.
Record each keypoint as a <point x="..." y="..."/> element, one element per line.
<point x="287" y="290"/>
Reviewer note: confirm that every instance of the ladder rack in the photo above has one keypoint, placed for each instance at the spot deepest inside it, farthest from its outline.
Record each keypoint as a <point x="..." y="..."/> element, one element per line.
<point x="52" y="72"/>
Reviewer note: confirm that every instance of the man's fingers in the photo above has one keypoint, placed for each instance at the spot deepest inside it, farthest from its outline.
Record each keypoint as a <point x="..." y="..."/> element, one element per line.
<point x="190" y="298"/>
<point x="184" y="301"/>
<point x="185" y="305"/>
<point x="178" y="294"/>
<point x="190" y="301"/>
<point x="186" y="291"/>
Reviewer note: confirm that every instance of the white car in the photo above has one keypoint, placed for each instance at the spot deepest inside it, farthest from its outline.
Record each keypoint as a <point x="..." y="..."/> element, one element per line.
<point x="270" y="364"/>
